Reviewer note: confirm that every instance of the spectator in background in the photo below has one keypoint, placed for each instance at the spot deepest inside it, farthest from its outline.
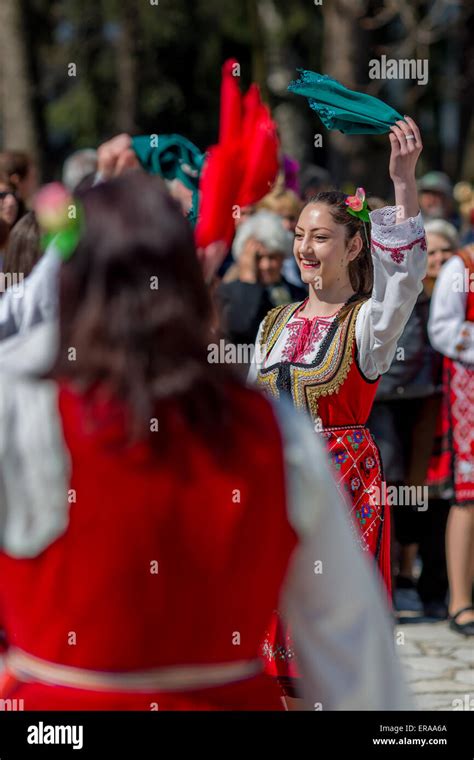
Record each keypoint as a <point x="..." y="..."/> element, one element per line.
<point x="79" y="167"/>
<point x="21" y="172"/>
<point x="451" y="331"/>
<point x="435" y="195"/>
<point x="468" y="237"/>
<point x="245" y="212"/>
<point x="403" y="422"/>
<point x="442" y="240"/>
<point x="463" y="193"/>
<point x="11" y="208"/>
<point x="313" y="180"/>
<point x="260" y="247"/>
<point x="287" y="205"/>
<point x="23" y="249"/>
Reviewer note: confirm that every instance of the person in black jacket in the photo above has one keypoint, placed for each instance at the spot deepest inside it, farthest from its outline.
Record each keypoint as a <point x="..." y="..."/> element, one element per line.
<point x="403" y="422"/>
<point x="260" y="247"/>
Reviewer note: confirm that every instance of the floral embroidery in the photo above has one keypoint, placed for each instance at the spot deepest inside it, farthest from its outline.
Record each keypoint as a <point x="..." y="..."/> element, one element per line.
<point x="364" y="513"/>
<point x="355" y="484"/>
<point x="303" y="336"/>
<point x="369" y="463"/>
<point x="340" y="457"/>
<point x="355" y="439"/>
<point x="397" y="256"/>
<point x="397" y="253"/>
<point x="278" y="652"/>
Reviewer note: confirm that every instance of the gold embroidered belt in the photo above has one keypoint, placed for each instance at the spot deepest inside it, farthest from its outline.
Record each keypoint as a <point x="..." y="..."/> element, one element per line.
<point x="27" y="668"/>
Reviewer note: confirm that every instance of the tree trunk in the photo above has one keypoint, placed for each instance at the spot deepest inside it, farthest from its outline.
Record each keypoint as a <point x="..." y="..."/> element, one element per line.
<point x="126" y="69"/>
<point x="18" y="128"/>
<point x="294" y="129"/>
<point x="344" y="59"/>
<point x="465" y="154"/>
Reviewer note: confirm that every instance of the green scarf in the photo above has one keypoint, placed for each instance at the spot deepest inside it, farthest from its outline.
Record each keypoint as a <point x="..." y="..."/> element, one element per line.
<point x="172" y="157"/>
<point x="353" y="113"/>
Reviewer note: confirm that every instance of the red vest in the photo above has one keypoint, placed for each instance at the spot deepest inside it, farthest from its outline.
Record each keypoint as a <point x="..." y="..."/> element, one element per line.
<point x="332" y="387"/>
<point x="169" y="559"/>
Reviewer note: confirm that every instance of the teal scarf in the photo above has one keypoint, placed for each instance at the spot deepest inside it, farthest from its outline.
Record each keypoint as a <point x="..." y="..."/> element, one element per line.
<point x="353" y="113"/>
<point x="172" y="157"/>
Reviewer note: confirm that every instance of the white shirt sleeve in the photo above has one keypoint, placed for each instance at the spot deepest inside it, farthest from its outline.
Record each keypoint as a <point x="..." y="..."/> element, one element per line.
<point x="257" y="362"/>
<point x="336" y="609"/>
<point x="32" y="352"/>
<point x="34" y="300"/>
<point x="399" y="257"/>
<point x="449" y="332"/>
<point x="34" y="466"/>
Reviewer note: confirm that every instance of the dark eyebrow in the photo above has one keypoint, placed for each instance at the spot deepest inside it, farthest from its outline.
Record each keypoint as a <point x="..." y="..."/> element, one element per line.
<point x="313" y="229"/>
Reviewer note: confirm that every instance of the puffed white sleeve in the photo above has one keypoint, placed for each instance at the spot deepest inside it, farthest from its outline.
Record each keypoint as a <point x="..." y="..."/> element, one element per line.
<point x="448" y="330"/>
<point x="34" y="300"/>
<point x="333" y="600"/>
<point x="399" y="257"/>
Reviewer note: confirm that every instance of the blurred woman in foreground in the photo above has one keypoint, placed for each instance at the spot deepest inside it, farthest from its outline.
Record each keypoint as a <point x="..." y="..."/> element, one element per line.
<point x="154" y="503"/>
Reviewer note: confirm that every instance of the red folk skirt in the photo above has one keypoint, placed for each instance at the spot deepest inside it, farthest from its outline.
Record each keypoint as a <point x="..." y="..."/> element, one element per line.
<point x="451" y="468"/>
<point x="357" y="471"/>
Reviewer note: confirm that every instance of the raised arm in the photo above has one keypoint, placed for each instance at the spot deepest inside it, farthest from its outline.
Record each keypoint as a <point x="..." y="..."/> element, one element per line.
<point x="399" y="258"/>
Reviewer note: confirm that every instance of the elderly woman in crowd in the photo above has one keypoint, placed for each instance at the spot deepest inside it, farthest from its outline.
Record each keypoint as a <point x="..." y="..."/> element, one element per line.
<point x="260" y="247"/>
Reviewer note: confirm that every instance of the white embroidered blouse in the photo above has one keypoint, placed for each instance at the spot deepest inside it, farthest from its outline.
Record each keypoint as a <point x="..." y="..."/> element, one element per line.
<point x="448" y="329"/>
<point x="399" y="257"/>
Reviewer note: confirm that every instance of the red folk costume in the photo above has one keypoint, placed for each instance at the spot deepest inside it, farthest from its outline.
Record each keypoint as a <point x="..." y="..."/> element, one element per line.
<point x="101" y="616"/>
<point x="145" y="591"/>
<point x="331" y="367"/>
<point x="451" y="329"/>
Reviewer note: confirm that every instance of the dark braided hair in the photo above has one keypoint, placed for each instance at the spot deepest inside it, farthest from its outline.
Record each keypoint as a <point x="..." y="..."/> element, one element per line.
<point x="361" y="270"/>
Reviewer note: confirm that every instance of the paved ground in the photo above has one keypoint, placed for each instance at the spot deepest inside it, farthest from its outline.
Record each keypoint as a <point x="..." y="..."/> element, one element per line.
<point x="439" y="665"/>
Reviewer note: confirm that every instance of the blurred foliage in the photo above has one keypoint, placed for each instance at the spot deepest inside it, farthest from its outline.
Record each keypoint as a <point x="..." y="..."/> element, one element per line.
<point x="156" y="67"/>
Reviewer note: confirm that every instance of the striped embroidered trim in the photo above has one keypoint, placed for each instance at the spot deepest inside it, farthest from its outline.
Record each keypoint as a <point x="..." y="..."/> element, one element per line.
<point x="397" y="252"/>
<point x="268" y="382"/>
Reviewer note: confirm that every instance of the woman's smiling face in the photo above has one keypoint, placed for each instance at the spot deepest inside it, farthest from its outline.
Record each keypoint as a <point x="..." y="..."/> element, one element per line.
<point x="320" y="246"/>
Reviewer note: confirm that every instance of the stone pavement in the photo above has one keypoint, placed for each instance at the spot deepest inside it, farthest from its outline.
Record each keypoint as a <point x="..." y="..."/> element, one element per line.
<point x="438" y="664"/>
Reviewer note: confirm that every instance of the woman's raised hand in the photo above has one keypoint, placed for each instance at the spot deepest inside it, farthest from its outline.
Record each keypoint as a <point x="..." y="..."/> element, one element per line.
<point x="116" y="156"/>
<point x="405" y="140"/>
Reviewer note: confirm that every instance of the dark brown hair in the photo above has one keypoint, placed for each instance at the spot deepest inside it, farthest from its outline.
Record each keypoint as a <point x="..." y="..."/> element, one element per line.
<point x="134" y="306"/>
<point x="361" y="270"/>
<point x="23" y="249"/>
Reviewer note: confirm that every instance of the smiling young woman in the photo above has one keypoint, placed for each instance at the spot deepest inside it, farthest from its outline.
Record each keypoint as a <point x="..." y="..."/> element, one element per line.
<point x="329" y="351"/>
